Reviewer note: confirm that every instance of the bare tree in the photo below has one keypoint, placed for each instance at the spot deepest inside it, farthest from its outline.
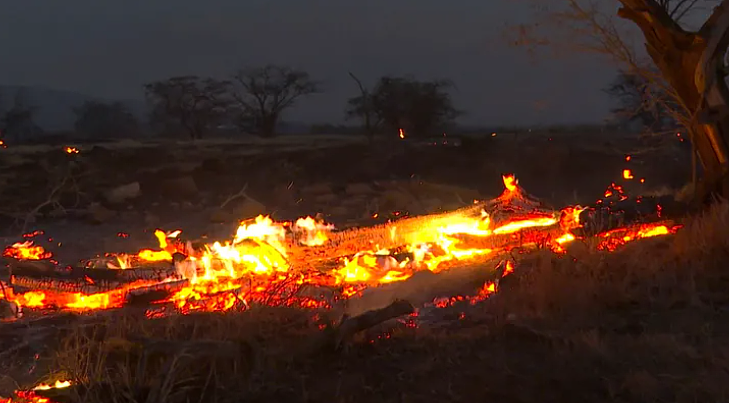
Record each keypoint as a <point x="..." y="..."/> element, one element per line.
<point x="364" y="108"/>
<point x="17" y="122"/>
<point x="262" y="94"/>
<point x="689" y="61"/>
<point x="105" y="120"/>
<point x="189" y="103"/>
<point x="639" y="101"/>
<point x="419" y="107"/>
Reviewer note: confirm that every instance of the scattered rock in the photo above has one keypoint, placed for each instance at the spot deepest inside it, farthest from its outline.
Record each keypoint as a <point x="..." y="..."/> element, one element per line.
<point x="182" y="186"/>
<point x="123" y="193"/>
<point x="99" y="214"/>
<point x="359" y="189"/>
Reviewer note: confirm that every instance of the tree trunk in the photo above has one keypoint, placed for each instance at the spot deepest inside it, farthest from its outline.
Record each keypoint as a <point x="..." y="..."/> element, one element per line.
<point x="693" y="64"/>
<point x="268" y="125"/>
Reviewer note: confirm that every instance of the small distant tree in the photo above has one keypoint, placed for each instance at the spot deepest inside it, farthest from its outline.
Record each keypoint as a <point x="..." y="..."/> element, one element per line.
<point x="262" y="94"/>
<point x="638" y="100"/>
<point x="17" y="122"/>
<point x="105" y="120"/>
<point x="189" y="103"/>
<point x="363" y="107"/>
<point x="420" y="108"/>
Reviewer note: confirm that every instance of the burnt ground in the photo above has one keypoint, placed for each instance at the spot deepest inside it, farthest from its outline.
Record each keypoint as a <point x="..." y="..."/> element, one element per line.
<point x="647" y="323"/>
<point x="182" y="185"/>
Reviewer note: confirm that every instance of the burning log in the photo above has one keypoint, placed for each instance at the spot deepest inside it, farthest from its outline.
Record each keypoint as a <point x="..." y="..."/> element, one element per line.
<point x="154" y="293"/>
<point x="22" y="284"/>
<point x="86" y="281"/>
<point x="611" y="240"/>
<point x="403" y="232"/>
<point x="526" y="236"/>
<point x="601" y="217"/>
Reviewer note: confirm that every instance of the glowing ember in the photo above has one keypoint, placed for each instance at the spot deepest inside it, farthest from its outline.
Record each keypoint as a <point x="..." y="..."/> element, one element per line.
<point x="27" y="250"/>
<point x="401" y="133"/>
<point x="56" y="385"/>
<point x="510" y="182"/>
<point x="71" y="150"/>
<point x="611" y="240"/>
<point x="314" y="233"/>
<point x="627" y="174"/>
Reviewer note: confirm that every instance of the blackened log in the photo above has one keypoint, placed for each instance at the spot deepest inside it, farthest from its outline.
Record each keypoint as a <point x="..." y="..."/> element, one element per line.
<point x="601" y="218"/>
<point x="155" y="293"/>
<point x="353" y="325"/>
<point x="22" y="269"/>
<point x="88" y="281"/>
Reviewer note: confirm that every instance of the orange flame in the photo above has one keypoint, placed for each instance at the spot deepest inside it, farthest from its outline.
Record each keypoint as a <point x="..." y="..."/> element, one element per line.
<point x="256" y="264"/>
<point x="27" y="250"/>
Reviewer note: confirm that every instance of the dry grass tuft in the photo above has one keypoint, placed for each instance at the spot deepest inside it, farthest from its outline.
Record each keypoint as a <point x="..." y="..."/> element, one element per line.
<point x="683" y="271"/>
<point x="197" y="357"/>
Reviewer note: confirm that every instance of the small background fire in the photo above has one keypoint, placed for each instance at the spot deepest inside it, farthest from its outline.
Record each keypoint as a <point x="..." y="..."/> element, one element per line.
<point x="366" y="289"/>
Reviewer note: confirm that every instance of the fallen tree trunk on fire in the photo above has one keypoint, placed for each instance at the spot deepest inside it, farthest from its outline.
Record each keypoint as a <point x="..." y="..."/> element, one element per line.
<point x="85" y="281"/>
<point x="415" y="230"/>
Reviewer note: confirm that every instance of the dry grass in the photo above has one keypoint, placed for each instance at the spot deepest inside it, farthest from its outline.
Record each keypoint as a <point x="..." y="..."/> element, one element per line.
<point x="646" y="324"/>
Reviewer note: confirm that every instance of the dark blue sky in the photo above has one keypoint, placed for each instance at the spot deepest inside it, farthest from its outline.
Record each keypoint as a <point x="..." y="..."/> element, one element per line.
<point x="109" y="48"/>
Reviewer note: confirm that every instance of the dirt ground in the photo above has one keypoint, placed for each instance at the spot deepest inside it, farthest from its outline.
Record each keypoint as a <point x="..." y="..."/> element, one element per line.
<point x="600" y="327"/>
<point x="182" y="185"/>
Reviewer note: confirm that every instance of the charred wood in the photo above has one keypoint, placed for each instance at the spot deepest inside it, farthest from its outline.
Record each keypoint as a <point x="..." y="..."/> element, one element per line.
<point x="349" y="326"/>
<point x="85" y="281"/>
<point x="154" y="293"/>
<point x="601" y="218"/>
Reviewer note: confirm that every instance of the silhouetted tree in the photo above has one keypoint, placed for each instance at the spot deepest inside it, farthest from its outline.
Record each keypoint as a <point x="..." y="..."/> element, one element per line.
<point x="420" y="108"/>
<point x="640" y="101"/>
<point x="189" y="103"/>
<point x="17" y="122"/>
<point x="688" y="55"/>
<point x="105" y="120"/>
<point x="262" y="94"/>
<point x="364" y="108"/>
